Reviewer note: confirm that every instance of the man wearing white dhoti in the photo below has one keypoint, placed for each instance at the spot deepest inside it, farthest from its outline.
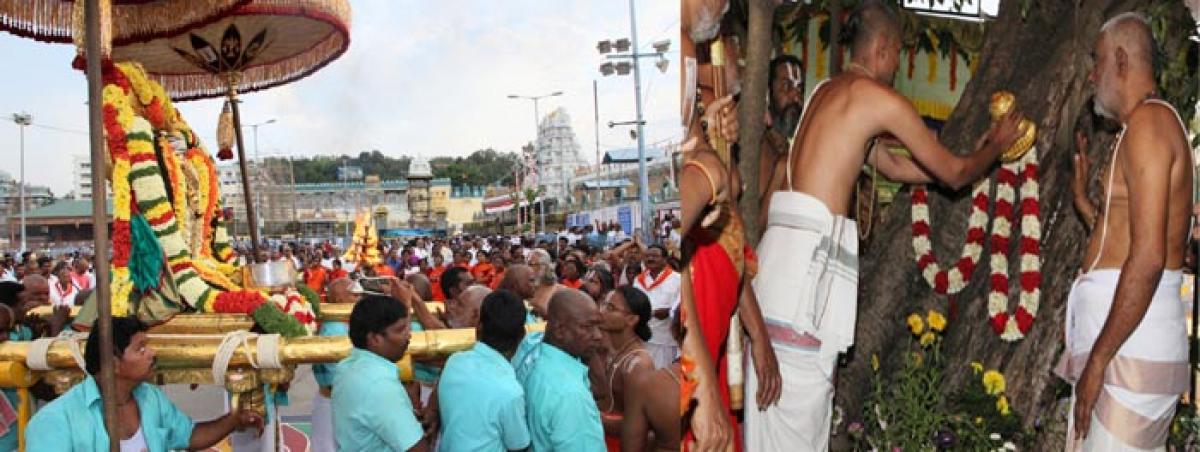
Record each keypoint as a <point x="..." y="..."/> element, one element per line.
<point x="807" y="280"/>
<point x="1126" y="341"/>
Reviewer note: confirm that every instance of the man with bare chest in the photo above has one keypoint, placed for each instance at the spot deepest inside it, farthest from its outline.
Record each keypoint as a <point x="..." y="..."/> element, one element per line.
<point x="1126" y="340"/>
<point x="808" y="256"/>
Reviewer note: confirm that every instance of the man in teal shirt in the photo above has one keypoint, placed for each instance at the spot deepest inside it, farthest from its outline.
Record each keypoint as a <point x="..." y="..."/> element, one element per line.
<point x="482" y="405"/>
<point x="371" y="410"/>
<point x="562" y="414"/>
<point x="146" y="419"/>
<point x="338" y="291"/>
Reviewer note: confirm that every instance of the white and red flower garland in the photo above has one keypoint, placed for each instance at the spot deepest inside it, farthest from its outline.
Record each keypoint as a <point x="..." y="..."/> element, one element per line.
<point x="1010" y="327"/>
<point x="1013" y="326"/>
<point x="949" y="281"/>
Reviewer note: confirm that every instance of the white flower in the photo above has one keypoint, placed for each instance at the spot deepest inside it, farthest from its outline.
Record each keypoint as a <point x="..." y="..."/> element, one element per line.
<point x="1008" y="445"/>
<point x="994" y="437"/>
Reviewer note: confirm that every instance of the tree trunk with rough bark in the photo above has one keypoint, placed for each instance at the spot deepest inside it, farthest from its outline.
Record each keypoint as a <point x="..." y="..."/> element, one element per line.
<point x="751" y="105"/>
<point x="1044" y="60"/>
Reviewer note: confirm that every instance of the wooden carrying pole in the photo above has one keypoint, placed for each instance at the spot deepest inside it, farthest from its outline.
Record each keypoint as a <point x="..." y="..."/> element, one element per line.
<point x="100" y="220"/>
<point x="251" y="217"/>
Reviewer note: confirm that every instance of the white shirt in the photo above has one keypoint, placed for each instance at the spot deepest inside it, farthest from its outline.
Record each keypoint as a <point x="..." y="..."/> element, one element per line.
<point x="664" y="295"/>
<point x="60" y="297"/>
<point x="135" y="444"/>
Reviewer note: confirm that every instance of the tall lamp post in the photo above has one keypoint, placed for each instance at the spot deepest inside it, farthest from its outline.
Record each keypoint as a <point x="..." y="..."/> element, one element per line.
<point x="537" y="137"/>
<point x="623" y="68"/>
<point x="257" y="169"/>
<point x="23" y="120"/>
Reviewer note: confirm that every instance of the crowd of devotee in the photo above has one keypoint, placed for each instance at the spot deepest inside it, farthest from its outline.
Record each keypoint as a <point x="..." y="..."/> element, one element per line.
<point x="602" y="374"/>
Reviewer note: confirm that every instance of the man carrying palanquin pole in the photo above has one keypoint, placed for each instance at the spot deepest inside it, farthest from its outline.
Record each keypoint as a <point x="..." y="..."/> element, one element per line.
<point x="1126" y="339"/>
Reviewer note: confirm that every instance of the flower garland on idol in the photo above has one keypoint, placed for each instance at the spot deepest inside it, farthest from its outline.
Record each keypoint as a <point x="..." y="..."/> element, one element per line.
<point x="1010" y="327"/>
<point x="145" y="216"/>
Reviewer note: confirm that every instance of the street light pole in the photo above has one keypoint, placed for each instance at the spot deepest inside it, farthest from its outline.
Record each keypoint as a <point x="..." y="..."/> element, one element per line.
<point x="257" y="164"/>
<point x="23" y="120"/>
<point x="623" y="68"/>
<point x="537" y="138"/>
<point x="643" y="178"/>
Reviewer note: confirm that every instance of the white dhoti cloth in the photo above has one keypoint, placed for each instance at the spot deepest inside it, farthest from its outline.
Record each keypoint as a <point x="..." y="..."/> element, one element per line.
<point x="1144" y="381"/>
<point x="807" y="288"/>
<point x="322" y="424"/>
<point x="803" y="422"/>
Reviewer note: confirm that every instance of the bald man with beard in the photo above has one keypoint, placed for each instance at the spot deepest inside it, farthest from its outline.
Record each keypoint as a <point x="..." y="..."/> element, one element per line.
<point x="1124" y="318"/>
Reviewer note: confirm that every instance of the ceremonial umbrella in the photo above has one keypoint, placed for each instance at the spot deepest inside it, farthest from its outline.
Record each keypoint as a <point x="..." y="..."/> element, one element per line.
<point x="261" y="44"/>
<point x="61" y="21"/>
<point x="90" y="25"/>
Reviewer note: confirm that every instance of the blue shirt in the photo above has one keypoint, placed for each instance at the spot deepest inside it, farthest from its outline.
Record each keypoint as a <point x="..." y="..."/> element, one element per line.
<point x="371" y="410"/>
<point x="562" y="414"/>
<point x="324" y="373"/>
<point x="75" y="421"/>
<point x="482" y="405"/>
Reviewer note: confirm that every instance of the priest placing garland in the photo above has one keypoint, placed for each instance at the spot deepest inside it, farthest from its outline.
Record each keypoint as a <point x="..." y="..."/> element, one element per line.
<point x="807" y="281"/>
<point x="1126" y="339"/>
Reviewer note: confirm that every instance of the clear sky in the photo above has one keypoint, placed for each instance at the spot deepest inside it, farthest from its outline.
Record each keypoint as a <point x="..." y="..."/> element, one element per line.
<point x="421" y="77"/>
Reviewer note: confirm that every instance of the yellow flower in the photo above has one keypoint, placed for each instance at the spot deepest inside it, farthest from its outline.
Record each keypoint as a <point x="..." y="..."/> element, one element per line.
<point x="1002" y="406"/>
<point x="937" y="322"/>
<point x="978" y="420"/>
<point x="875" y="362"/>
<point x="916" y="324"/>
<point x="977" y="367"/>
<point x="927" y="338"/>
<point x="993" y="382"/>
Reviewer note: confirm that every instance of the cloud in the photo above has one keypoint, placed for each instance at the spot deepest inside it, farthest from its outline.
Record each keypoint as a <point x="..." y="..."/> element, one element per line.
<point x="420" y="77"/>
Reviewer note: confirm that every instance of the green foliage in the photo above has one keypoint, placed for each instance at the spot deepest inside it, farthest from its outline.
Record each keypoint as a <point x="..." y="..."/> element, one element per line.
<point x="1175" y="58"/>
<point x="1185" y="429"/>
<point x="910" y="410"/>
<point x="270" y="319"/>
<point x="311" y="296"/>
<point x="482" y="167"/>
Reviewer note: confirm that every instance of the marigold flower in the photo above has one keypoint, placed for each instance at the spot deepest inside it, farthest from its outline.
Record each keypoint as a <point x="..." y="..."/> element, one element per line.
<point x="875" y="362"/>
<point x="916" y="324"/>
<point x="927" y="338"/>
<point x="937" y="322"/>
<point x="993" y="382"/>
<point x="1002" y="406"/>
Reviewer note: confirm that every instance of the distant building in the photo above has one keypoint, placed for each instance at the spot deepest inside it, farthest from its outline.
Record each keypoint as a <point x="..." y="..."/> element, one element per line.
<point x="420" y="178"/>
<point x="10" y="205"/>
<point x="81" y="175"/>
<point x="557" y="155"/>
<point x="230" y="176"/>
